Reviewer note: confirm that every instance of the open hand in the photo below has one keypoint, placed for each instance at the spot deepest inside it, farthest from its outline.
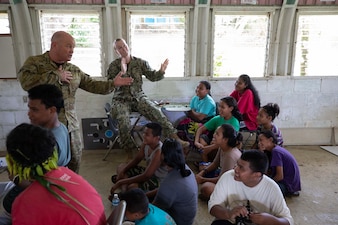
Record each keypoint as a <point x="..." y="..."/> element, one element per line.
<point x="164" y="65"/>
<point x="122" y="81"/>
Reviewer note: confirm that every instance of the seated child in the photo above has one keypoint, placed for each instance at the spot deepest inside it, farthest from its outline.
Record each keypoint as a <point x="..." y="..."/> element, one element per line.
<point x="139" y="209"/>
<point x="133" y="175"/>
<point x="226" y="139"/>
<point x="229" y="114"/>
<point x="283" y="167"/>
<point x="248" y="101"/>
<point x="265" y="118"/>
<point x="177" y="193"/>
<point x="203" y="108"/>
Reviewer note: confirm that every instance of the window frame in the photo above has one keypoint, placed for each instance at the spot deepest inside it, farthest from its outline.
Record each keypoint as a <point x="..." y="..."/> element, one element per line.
<point x="60" y="9"/>
<point x="140" y="10"/>
<point x="269" y="52"/>
<point x="310" y="11"/>
<point x="9" y="22"/>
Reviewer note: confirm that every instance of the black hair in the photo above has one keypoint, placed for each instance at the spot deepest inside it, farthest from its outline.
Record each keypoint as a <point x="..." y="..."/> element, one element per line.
<point x="233" y="136"/>
<point x="257" y="159"/>
<point x="231" y="102"/>
<point x="246" y="79"/>
<point x="207" y="86"/>
<point x="49" y="94"/>
<point x="156" y="129"/>
<point x="136" y="199"/>
<point x="269" y="134"/>
<point x="173" y="156"/>
<point x="29" y="144"/>
<point x="272" y="109"/>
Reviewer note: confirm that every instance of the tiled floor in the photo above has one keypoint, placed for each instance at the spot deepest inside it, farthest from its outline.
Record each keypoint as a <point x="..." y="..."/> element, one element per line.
<point x="317" y="203"/>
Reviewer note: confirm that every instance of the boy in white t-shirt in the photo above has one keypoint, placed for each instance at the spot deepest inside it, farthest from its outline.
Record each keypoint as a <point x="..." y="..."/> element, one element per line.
<point x="246" y="194"/>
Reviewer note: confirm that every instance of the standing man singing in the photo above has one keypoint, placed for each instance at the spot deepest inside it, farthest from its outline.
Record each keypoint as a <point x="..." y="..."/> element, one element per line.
<point x="53" y="67"/>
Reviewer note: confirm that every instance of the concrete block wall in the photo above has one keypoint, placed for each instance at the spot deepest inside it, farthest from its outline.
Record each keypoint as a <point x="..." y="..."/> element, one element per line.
<point x="309" y="105"/>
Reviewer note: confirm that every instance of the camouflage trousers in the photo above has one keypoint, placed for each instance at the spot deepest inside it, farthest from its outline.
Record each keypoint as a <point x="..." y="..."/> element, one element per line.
<point x="121" y="111"/>
<point x="76" y="150"/>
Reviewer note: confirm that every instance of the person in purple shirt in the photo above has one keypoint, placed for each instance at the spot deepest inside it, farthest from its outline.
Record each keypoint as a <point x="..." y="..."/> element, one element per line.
<point x="283" y="166"/>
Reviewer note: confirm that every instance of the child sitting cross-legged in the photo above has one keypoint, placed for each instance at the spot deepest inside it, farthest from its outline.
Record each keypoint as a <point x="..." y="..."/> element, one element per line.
<point x="228" y="114"/>
<point x="226" y="140"/>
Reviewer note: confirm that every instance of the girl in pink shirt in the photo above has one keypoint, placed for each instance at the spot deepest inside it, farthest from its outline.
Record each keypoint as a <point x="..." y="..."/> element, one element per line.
<point x="248" y="100"/>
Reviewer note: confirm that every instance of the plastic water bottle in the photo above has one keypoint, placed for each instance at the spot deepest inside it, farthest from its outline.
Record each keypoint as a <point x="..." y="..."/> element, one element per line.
<point x="115" y="202"/>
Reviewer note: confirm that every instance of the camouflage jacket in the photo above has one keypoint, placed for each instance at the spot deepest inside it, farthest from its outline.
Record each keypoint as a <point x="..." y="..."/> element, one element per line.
<point x="136" y="68"/>
<point x="41" y="70"/>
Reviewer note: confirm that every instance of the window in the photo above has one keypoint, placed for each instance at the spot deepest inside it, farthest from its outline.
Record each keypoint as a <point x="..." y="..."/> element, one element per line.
<point x="4" y="23"/>
<point x="7" y="60"/>
<point x="316" y="46"/>
<point x="85" y="28"/>
<point x="157" y="37"/>
<point x="240" y="45"/>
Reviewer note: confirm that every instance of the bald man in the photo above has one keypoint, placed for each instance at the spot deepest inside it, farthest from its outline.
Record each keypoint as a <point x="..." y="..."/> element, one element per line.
<point x="53" y="67"/>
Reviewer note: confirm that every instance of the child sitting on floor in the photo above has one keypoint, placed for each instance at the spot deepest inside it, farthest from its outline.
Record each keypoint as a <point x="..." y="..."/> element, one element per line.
<point x="133" y="175"/>
<point x="228" y="114"/>
<point x="283" y="167"/>
<point x="139" y="209"/>
<point x="226" y="139"/>
<point x="265" y="118"/>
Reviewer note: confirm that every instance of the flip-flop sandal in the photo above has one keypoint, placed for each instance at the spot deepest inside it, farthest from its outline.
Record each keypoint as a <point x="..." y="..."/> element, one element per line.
<point x="113" y="179"/>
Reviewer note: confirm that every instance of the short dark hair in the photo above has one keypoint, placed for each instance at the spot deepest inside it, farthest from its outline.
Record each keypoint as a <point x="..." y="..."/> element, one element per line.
<point x="207" y="86"/>
<point x="29" y="144"/>
<point x="257" y="159"/>
<point x="49" y="94"/>
<point x="136" y="200"/>
<point x="156" y="129"/>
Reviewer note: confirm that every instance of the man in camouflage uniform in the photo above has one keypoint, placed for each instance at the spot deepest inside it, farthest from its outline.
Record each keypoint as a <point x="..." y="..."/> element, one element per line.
<point x="52" y="67"/>
<point x="132" y="98"/>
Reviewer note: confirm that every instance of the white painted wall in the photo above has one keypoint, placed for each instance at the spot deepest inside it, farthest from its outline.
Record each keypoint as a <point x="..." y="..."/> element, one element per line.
<point x="309" y="105"/>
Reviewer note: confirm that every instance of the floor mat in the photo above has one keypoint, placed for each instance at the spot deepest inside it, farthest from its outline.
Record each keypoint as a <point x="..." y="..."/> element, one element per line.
<point x="332" y="149"/>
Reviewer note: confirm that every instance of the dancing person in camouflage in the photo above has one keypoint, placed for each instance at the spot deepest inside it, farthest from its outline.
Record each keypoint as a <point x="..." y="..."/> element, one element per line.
<point x="132" y="98"/>
<point x="52" y="67"/>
